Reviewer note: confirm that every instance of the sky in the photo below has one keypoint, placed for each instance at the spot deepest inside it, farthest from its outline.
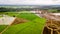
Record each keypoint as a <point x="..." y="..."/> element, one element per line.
<point x="29" y="2"/>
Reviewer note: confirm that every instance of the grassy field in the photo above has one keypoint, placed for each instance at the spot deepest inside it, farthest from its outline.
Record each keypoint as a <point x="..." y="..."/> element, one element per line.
<point x="26" y="15"/>
<point x="0" y="16"/>
<point x="2" y="27"/>
<point x="35" y="26"/>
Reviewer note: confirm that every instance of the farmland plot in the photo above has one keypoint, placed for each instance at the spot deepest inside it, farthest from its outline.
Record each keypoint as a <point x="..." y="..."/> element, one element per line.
<point x="34" y="24"/>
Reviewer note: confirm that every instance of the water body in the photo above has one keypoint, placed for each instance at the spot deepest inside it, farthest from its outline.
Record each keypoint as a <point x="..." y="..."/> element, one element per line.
<point x="6" y="20"/>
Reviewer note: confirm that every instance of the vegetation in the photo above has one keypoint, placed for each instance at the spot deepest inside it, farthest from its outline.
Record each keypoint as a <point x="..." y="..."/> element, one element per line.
<point x="7" y="9"/>
<point x="0" y="16"/>
<point x="34" y="26"/>
<point x="54" y="10"/>
<point x="11" y="9"/>
<point x="2" y="27"/>
<point x="27" y="16"/>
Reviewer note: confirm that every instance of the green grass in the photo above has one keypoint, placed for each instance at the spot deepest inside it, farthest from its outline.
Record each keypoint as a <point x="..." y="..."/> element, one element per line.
<point x="27" y="28"/>
<point x="27" y="16"/>
<point x="11" y="14"/>
<point x="2" y="27"/>
<point x="0" y="16"/>
<point x="35" y="26"/>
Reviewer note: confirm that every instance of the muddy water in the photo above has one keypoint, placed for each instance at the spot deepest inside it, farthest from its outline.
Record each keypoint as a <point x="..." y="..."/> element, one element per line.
<point x="6" y="20"/>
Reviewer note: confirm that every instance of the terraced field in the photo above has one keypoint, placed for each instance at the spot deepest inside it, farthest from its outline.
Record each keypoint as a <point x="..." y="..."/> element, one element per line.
<point x="34" y="25"/>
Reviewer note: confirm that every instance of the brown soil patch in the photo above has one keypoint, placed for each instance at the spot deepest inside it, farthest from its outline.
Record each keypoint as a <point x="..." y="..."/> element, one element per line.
<point x="52" y="27"/>
<point x="19" y="20"/>
<point x="16" y="21"/>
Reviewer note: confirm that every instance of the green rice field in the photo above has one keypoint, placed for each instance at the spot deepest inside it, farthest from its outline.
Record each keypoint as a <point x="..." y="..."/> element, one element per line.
<point x="34" y="26"/>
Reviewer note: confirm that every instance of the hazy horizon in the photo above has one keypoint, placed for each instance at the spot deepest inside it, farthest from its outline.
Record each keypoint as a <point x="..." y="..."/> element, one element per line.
<point x="29" y="2"/>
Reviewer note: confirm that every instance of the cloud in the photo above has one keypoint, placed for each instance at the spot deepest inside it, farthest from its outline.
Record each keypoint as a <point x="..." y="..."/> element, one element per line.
<point x="31" y="2"/>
